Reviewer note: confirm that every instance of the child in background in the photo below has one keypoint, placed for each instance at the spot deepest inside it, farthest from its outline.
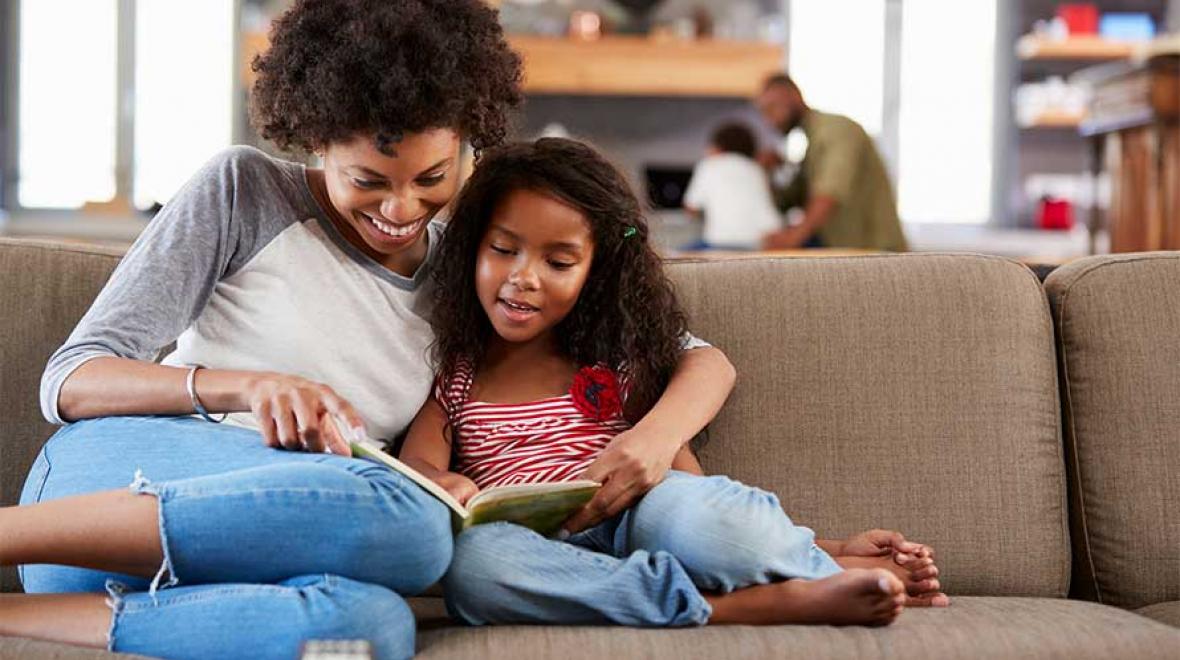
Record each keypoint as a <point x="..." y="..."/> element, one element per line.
<point x="732" y="192"/>
<point x="556" y="330"/>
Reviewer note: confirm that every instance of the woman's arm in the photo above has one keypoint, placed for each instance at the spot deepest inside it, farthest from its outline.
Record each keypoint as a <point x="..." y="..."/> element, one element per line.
<point x="638" y="459"/>
<point x="290" y="410"/>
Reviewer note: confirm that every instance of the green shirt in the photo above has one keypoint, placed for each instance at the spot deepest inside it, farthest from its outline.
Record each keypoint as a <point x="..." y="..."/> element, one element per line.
<point x="842" y="162"/>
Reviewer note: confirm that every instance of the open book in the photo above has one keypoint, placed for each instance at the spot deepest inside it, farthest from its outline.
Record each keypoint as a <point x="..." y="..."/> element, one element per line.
<point x="540" y="507"/>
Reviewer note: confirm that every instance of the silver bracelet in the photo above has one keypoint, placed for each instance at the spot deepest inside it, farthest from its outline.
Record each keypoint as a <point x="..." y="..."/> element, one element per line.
<point x="192" y="394"/>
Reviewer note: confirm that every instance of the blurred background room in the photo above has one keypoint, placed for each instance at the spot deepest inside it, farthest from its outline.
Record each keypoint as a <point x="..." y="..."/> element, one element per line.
<point x="1034" y="129"/>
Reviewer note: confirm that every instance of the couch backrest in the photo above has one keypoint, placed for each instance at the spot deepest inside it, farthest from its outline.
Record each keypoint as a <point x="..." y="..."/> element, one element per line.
<point x="1118" y="321"/>
<point x="45" y="287"/>
<point x="915" y="392"/>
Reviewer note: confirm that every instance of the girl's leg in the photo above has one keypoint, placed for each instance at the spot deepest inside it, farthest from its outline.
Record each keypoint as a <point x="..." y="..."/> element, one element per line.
<point x="504" y="573"/>
<point x="219" y="621"/>
<point x="225" y="509"/>
<point x="737" y="543"/>
<point x="726" y="535"/>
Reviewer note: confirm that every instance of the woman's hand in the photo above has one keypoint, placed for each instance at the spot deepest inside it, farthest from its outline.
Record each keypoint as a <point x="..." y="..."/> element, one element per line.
<point x="459" y="486"/>
<point x="632" y="464"/>
<point x="299" y="414"/>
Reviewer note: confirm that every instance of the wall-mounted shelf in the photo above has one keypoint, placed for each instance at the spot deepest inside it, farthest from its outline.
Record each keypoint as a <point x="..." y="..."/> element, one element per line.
<point x="623" y="66"/>
<point x="636" y="66"/>
<point x="1057" y="119"/>
<point x="1086" y="48"/>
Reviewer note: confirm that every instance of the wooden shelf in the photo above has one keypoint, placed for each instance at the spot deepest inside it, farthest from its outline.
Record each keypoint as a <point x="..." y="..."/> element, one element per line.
<point x="623" y="66"/>
<point x="1057" y="119"/>
<point x="1088" y="48"/>
<point x="636" y="66"/>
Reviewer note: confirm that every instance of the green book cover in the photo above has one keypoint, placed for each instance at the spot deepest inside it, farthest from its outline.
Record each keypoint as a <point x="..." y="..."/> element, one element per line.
<point x="540" y="507"/>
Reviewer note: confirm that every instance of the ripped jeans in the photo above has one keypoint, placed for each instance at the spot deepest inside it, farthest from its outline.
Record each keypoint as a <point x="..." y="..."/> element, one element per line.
<point x="263" y="549"/>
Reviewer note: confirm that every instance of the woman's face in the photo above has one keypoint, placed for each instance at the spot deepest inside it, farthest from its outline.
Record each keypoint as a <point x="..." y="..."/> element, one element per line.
<point x="382" y="203"/>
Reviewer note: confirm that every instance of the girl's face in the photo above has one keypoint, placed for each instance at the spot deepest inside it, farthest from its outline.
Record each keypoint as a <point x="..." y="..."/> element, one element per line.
<point x="533" y="260"/>
<point x="382" y="203"/>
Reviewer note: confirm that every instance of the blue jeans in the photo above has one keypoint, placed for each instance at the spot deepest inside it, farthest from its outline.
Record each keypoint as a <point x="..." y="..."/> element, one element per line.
<point x="645" y="567"/>
<point x="263" y="548"/>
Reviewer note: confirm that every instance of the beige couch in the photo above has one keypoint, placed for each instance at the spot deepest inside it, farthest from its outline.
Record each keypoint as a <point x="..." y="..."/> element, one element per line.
<point x="927" y="393"/>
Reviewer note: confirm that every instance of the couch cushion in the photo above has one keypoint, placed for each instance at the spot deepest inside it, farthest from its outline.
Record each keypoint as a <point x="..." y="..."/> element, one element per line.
<point x="16" y="648"/>
<point x="1168" y="613"/>
<point x="915" y="392"/>
<point x="45" y="288"/>
<point x="973" y="627"/>
<point x="1118" y="321"/>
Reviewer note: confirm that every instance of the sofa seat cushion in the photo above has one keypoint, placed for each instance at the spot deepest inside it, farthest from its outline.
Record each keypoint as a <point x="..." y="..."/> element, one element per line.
<point x="17" y="648"/>
<point x="973" y="627"/>
<point x="1168" y="613"/>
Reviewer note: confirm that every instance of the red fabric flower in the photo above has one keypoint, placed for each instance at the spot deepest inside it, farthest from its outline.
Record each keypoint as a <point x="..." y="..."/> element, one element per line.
<point x="596" y="393"/>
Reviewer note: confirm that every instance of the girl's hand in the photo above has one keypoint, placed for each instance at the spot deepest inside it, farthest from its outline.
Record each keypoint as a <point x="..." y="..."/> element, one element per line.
<point x="459" y="486"/>
<point x="299" y="414"/>
<point x="632" y="464"/>
<point x="881" y="542"/>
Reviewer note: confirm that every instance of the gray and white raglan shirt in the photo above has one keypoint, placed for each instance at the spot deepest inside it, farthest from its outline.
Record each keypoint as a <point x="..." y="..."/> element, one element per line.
<point x="243" y="270"/>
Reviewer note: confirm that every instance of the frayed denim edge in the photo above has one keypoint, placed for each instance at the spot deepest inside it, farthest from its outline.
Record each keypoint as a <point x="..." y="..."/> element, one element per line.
<point x="141" y="485"/>
<point x="115" y="591"/>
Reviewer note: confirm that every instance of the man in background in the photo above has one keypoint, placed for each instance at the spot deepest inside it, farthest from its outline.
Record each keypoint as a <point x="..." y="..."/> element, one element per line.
<point x="842" y="185"/>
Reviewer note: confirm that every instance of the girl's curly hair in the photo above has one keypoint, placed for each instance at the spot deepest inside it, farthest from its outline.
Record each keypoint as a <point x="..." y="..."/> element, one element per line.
<point x="338" y="68"/>
<point x="626" y="316"/>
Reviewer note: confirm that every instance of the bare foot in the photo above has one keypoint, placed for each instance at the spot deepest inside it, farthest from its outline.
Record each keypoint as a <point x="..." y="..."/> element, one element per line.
<point x="918" y="574"/>
<point x="867" y="597"/>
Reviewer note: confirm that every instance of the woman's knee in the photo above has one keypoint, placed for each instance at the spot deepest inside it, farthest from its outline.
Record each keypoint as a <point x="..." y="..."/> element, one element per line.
<point x="340" y="608"/>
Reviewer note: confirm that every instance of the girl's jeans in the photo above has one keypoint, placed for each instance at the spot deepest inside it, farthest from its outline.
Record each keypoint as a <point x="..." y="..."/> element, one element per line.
<point x="645" y="567"/>
<point x="263" y="548"/>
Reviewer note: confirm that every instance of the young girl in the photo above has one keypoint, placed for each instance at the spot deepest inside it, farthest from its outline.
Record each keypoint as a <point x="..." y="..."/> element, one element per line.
<point x="570" y="331"/>
<point x="294" y="296"/>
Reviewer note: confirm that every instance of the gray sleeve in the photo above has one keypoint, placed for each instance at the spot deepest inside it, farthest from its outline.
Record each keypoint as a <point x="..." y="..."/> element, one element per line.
<point x="164" y="281"/>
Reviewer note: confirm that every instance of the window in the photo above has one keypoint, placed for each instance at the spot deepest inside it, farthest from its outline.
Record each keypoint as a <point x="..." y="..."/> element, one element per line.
<point x="183" y="91"/>
<point x="69" y="130"/>
<point x="939" y="142"/>
<point x="946" y="120"/>
<point x="67" y="110"/>
<point x="836" y="56"/>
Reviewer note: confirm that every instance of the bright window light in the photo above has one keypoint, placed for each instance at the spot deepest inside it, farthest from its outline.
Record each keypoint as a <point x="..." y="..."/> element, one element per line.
<point x="67" y="112"/>
<point x="836" y="56"/>
<point x="947" y="92"/>
<point x="184" y="91"/>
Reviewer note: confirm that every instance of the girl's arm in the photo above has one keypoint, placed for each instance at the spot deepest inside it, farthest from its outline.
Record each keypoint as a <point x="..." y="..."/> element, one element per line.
<point x="637" y="460"/>
<point x="428" y="450"/>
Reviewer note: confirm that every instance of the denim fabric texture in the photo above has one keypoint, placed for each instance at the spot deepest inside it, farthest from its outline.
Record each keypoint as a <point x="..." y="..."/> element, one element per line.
<point x="263" y="547"/>
<point x="645" y="567"/>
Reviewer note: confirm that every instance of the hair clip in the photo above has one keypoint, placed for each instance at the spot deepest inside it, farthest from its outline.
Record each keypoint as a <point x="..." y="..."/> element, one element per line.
<point x="630" y="231"/>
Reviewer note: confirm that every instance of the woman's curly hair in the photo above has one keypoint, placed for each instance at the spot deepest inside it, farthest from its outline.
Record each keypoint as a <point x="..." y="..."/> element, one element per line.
<point x="336" y="68"/>
<point x="626" y="316"/>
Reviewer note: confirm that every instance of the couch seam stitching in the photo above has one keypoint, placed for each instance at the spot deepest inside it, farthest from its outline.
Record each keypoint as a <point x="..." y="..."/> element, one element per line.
<point x="1073" y="436"/>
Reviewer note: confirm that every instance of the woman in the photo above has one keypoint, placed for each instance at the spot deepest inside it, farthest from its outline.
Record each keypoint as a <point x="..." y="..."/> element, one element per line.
<point x="295" y="297"/>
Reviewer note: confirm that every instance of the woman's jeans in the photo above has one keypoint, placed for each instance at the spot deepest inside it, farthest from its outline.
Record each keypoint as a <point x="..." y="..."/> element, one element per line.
<point x="263" y="548"/>
<point x="645" y="567"/>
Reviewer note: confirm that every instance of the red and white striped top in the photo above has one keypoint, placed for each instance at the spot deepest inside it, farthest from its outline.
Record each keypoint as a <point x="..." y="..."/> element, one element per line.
<point x="551" y="439"/>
